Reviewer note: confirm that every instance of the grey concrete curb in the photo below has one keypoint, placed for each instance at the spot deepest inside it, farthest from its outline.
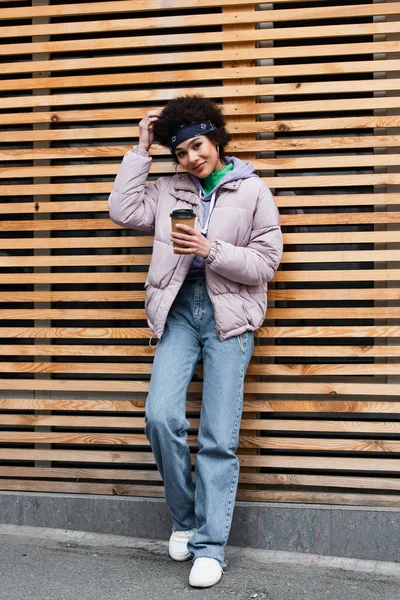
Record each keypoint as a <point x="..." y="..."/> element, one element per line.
<point x="160" y="548"/>
<point x="368" y="533"/>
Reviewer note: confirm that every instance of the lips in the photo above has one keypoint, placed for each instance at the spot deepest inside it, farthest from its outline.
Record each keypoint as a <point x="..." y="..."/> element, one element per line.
<point x="199" y="167"/>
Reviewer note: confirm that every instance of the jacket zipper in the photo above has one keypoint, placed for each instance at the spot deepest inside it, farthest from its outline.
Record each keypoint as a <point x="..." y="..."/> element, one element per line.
<point x="205" y="279"/>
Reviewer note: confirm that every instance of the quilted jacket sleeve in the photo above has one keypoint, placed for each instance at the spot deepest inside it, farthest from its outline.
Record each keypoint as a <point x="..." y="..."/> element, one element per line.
<point x="256" y="263"/>
<point x="133" y="202"/>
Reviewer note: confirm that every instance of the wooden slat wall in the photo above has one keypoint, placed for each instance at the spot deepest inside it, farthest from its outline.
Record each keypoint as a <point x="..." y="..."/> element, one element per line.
<point x="311" y="94"/>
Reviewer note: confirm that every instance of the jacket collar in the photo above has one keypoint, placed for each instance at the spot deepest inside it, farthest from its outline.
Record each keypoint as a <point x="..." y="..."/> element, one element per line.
<point x="185" y="183"/>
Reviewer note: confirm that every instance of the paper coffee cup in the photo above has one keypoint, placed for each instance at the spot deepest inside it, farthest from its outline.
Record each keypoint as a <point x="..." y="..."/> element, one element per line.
<point x="182" y="216"/>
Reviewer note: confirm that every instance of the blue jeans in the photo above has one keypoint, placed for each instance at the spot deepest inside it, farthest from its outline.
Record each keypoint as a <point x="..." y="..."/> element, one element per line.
<point x="206" y="503"/>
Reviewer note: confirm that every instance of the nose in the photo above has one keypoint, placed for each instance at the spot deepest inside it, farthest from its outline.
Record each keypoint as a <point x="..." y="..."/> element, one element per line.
<point x="193" y="156"/>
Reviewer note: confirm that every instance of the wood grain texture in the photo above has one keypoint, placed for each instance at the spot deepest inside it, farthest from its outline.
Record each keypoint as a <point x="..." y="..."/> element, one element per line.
<point x="342" y="32"/>
<point x="311" y="97"/>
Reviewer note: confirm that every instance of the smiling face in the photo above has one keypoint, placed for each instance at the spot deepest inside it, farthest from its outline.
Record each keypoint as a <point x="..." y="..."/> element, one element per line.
<point x="199" y="156"/>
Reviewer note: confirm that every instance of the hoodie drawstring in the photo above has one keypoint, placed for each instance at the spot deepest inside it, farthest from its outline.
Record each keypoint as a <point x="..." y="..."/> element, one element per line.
<point x="212" y="204"/>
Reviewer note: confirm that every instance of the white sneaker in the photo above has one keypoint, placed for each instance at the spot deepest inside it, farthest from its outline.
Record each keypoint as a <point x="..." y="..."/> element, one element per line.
<point x="178" y="544"/>
<point x="205" y="572"/>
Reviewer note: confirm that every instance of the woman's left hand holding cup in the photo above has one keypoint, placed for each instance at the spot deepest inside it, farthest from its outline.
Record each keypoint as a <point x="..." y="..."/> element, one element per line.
<point x="190" y="242"/>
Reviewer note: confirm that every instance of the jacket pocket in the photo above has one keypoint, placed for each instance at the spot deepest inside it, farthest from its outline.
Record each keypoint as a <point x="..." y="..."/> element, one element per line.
<point x="254" y="300"/>
<point x="163" y="265"/>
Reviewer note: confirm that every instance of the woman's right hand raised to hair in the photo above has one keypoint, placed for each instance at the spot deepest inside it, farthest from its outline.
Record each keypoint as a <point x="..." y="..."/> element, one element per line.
<point x="146" y="134"/>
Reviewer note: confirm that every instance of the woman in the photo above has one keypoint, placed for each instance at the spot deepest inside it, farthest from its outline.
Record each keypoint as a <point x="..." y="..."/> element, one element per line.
<point x="203" y="301"/>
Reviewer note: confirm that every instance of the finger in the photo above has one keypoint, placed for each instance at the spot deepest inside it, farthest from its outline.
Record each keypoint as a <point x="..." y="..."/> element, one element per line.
<point x="184" y="251"/>
<point x="189" y="230"/>
<point x="182" y="236"/>
<point x="147" y="120"/>
<point x="183" y="244"/>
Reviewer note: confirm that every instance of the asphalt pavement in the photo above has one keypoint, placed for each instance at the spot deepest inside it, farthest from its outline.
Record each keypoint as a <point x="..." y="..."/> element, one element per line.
<point x="56" y="564"/>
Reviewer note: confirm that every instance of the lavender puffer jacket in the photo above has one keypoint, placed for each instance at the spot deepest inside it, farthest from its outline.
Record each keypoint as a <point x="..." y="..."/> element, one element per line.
<point x="244" y="231"/>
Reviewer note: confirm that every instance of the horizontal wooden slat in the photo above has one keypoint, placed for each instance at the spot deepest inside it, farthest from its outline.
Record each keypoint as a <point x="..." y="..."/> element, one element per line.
<point x="83" y="488"/>
<point x="87" y="152"/>
<point x="296" y="219"/>
<point x="224" y="18"/>
<point x="288" y="370"/>
<point x="77" y="456"/>
<point x="77" y="473"/>
<point x="340" y="218"/>
<point x="126" y="241"/>
<point x="127" y="457"/>
<point x="337" y="200"/>
<point x="134" y="114"/>
<point x="79" y="313"/>
<point x="344" y="331"/>
<point x="333" y="313"/>
<point x="147" y="475"/>
<point x="274" y="182"/>
<point x="129" y="6"/>
<point x="187" y="39"/>
<point x="314" y="425"/>
<point x="204" y="56"/>
<point x="132" y="313"/>
<point x="72" y="278"/>
<point x="330" y="162"/>
<point x="298" y="388"/>
<point x="337" y="294"/>
<point x="80" y="473"/>
<point x="76" y="332"/>
<point x="76" y="350"/>
<point x="280" y="276"/>
<point x="276" y="425"/>
<point x="73" y="296"/>
<point x="38" y="207"/>
<point x="139" y="296"/>
<point x="136" y="439"/>
<point x="277" y="89"/>
<point x="342" y="237"/>
<point x="141" y="350"/>
<point x="144" y="259"/>
<point x="264" y="406"/>
<point x="263" y="332"/>
<point x="339" y="256"/>
<point x="156" y="77"/>
<point x="327" y="275"/>
<point x="72" y="261"/>
<point x="136" y="241"/>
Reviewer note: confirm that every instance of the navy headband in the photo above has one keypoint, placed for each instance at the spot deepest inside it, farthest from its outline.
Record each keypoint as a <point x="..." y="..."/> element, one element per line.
<point x="185" y="132"/>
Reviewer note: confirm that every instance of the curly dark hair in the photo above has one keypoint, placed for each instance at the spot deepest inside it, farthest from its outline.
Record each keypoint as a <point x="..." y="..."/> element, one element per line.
<point x="190" y="109"/>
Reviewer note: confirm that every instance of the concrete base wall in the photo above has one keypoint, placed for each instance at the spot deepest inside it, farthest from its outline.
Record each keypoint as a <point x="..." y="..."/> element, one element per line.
<point x="357" y="532"/>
